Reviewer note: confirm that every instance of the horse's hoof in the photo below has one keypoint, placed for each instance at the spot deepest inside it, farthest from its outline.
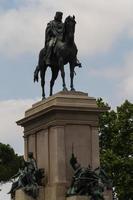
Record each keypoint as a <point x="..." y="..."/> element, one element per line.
<point x="43" y="98"/>
<point x="65" y="89"/>
<point x="35" y="79"/>
<point x="80" y="65"/>
<point x="72" y="89"/>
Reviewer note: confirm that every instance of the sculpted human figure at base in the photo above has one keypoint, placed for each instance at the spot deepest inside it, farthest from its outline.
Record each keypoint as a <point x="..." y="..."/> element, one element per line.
<point x="28" y="178"/>
<point x="87" y="182"/>
<point x="31" y="168"/>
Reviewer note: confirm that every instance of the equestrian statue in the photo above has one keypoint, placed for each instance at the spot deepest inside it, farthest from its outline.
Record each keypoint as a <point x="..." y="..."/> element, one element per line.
<point x="59" y="49"/>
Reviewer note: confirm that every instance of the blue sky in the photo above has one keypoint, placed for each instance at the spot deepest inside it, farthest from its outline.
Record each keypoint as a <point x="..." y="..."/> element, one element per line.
<point x="104" y="37"/>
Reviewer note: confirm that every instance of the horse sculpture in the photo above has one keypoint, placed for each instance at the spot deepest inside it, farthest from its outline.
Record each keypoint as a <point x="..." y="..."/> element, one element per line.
<point x="64" y="51"/>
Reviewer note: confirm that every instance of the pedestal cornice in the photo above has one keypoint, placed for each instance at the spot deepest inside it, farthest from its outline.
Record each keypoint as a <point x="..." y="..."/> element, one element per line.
<point x="62" y="104"/>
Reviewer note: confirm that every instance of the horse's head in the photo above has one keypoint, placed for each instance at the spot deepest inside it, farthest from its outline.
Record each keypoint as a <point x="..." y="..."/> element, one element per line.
<point x="69" y="27"/>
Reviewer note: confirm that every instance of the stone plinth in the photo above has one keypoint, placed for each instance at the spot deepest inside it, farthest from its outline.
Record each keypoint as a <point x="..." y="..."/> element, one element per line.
<point x="108" y="195"/>
<point x="78" y="198"/>
<point x="51" y="127"/>
<point x="20" y="195"/>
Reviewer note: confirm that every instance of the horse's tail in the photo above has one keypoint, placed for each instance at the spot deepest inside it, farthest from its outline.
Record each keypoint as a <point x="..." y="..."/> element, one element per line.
<point x="36" y="72"/>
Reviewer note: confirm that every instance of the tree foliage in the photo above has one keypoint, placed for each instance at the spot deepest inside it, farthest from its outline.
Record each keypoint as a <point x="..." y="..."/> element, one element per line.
<point x="116" y="147"/>
<point x="9" y="162"/>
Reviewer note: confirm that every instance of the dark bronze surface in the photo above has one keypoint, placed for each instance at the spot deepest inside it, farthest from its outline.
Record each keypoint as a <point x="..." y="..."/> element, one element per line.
<point x="59" y="50"/>
<point x="29" y="178"/>
<point x="88" y="182"/>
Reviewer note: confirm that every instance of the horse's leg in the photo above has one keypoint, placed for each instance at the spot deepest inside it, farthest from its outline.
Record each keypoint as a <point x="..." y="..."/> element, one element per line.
<point x="42" y="75"/>
<point x="61" y="67"/>
<point x="55" y="72"/>
<point x="40" y="63"/>
<point x="36" y="72"/>
<point x="72" y="66"/>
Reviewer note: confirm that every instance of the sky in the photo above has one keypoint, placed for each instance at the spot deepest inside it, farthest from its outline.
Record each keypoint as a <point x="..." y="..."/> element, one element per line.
<point x="104" y="37"/>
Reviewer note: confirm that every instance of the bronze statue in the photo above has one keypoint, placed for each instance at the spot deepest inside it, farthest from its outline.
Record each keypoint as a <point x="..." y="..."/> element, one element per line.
<point x="31" y="168"/>
<point x="54" y="32"/>
<point x="87" y="182"/>
<point x="20" y="182"/>
<point x="59" y="50"/>
<point x="29" y="178"/>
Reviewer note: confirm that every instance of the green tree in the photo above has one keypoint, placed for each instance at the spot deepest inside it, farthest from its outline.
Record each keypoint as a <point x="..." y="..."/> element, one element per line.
<point x="116" y="147"/>
<point x="9" y="162"/>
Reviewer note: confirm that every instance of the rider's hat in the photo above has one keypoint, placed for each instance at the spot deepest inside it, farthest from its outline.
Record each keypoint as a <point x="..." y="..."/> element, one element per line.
<point x="58" y="13"/>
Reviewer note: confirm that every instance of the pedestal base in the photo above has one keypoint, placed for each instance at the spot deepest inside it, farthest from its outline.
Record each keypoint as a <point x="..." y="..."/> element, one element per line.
<point x="55" y="192"/>
<point x="53" y="128"/>
<point x="78" y="198"/>
<point x="108" y="195"/>
<point x="20" y="195"/>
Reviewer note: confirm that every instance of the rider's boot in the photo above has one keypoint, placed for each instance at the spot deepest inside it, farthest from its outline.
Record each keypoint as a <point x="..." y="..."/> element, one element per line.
<point x="48" y="62"/>
<point x="48" y="55"/>
<point x="77" y="63"/>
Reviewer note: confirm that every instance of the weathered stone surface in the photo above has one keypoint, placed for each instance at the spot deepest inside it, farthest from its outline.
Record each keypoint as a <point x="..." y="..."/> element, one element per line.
<point x="20" y="195"/>
<point x="55" y="192"/>
<point x="51" y="127"/>
<point x="78" y="198"/>
<point x="108" y="195"/>
<point x="67" y="99"/>
<point x="62" y="108"/>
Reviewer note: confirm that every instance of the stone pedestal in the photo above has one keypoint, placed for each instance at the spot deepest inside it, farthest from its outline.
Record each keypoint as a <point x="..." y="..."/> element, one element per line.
<point x="78" y="198"/>
<point x="108" y="195"/>
<point x="51" y="127"/>
<point x="20" y="195"/>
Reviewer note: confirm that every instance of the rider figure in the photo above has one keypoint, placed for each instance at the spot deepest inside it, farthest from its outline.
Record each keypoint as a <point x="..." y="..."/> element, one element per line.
<point x="54" y="31"/>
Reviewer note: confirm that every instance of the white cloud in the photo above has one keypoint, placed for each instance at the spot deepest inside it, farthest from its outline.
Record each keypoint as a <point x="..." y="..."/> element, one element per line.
<point x="120" y="75"/>
<point x="126" y="82"/>
<point x="107" y="72"/>
<point x="10" y="112"/>
<point x="99" y="24"/>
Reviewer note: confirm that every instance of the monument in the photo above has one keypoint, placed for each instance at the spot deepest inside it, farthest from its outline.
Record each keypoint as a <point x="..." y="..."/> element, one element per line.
<point x="62" y="130"/>
<point x="59" y="50"/>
